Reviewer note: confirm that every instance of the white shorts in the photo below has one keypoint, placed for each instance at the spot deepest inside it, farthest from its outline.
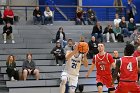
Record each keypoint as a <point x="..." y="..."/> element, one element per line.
<point x="72" y="80"/>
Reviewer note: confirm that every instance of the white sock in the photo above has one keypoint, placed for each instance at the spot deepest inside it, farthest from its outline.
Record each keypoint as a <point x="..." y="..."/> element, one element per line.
<point x="62" y="88"/>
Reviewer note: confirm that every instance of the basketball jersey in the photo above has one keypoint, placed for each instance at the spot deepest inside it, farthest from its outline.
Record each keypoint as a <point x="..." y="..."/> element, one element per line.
<point x="129" y="68"/>
<point x="73" y="65"/>
<point x="103" y="64"/>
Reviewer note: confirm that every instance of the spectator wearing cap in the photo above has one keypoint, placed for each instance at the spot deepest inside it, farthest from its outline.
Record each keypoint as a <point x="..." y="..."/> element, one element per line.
<point x="58" y="52"/>
<point x="8" y="32"/>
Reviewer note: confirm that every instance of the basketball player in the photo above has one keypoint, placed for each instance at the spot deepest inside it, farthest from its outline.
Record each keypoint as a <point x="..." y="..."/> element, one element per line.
<point x="71" y="71"/>
<point x="127" y="66"/>
<point x="103" y="61"/>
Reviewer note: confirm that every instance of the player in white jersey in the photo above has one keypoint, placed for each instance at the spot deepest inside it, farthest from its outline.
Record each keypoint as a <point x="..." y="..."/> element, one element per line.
<point x="71" y="71"/>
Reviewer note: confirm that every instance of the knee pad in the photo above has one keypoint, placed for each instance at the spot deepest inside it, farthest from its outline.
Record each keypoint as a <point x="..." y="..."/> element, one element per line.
<point x="111" y="89"/>
<point x="72" y="89"/>
<point x="99" y="84"/>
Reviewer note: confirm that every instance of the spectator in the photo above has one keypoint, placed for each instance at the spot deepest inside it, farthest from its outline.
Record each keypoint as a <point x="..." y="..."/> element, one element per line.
<point x="8" y="15"/>
<point x="8" y="32"/>
<point x="11" y="68"/>
<point x="91" y="17"/>
<point x="37" y="16"/>
<point x="93" y="47"/>
<point x="29" y="67"/>
<point x="109" y="31"/>
<point x="69" y="46"/>
<point x="133" y="37"/>
<point x="124" y="28"/>
<point x="48" y="16"/>
<point x="1" y="19"/>
<point x="97" y="32"/>
<point x="118" y="3"/>
<point x="137" y="43"/>
<point x="79" y="16"/>
<point x="118" y="33"/>
<point x="60" y="35"/>
<point x="131" y="25"/>
<point x="117" y="20"/>
<point x="131" y="9"/>
<point x="58" y="52"/>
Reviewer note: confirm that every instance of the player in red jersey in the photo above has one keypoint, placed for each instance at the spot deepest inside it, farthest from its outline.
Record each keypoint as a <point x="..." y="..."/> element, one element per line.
<point x="127" y="66"/>
<point x="103" y="61"/>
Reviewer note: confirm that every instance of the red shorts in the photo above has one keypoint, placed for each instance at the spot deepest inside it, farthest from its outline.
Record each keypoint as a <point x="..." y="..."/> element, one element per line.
<point x="105" y="80"/>
<point x="125" y="87"/>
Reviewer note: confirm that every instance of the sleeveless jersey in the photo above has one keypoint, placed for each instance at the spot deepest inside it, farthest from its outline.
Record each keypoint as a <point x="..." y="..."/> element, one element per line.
<point x="129" y="68"/>
<point x="103" y="64"/>
<point x="73" y="65"/>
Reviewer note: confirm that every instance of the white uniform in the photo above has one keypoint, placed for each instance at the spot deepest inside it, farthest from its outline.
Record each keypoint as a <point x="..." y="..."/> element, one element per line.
<point x="71" y="71"/>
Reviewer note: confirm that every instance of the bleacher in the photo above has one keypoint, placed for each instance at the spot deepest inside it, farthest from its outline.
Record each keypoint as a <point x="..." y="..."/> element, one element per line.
<point x="37" y="40"/>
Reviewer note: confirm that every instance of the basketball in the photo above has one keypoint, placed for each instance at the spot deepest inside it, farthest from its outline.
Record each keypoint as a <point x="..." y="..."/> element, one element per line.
<point x="83" y="47"/>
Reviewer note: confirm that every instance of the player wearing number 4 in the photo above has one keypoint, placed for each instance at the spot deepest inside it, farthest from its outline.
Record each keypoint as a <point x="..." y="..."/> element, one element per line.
<point x="103" y="61"/>
<point x="71" y="72"/>
<point x="128" y="67"/>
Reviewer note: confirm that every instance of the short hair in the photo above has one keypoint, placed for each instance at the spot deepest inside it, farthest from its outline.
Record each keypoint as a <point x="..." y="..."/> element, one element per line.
<point x="129" y="50"/>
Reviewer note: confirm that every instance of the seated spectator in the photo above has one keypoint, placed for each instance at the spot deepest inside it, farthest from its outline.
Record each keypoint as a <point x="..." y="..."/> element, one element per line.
<point x="58" y="52"/>
<point x="11" y="68"/>
<point x="97" y="32"/>
<point x="8" y="32"/>
<point x="124" y="28"/>
<point x="118" y="33"/>
<point x="133" y="37"/>
<point x="93" y="47"/>
<point x="29" y="67"/>
<point x="8" y="15"/>
<point x="79" y="16"/>
<point x="48" y="16"/>
<point x="1" y="19"/>
<point x="60" y="36"/>
<point x="37" y="16"/>
<point x="131" y="25"/>
<point x="117" y="20"/>
<point x="109" y="31"/>
<point x="91" y="17"/>
<point x="69" y="46"/>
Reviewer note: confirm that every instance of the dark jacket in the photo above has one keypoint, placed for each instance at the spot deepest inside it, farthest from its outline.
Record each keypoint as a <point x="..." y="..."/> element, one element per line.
<point x="131" y="26"/>
<point x="108" y="30"/>
<point x="123" y="25"/>
<point x="58" y="35"/>
<point x="28" y="65"/>
<point x="97" y="30"/>
<point x="93" y="46"/>
<point x="58" y="51"/>
<point x="11" y="65"/>
<point x="36" y="12"/>
<point x="0" y="14"/>
<point x="7" y="30"/>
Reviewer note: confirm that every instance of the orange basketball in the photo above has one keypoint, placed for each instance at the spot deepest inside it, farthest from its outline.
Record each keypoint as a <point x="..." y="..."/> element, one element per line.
<point x="83" y="47"/>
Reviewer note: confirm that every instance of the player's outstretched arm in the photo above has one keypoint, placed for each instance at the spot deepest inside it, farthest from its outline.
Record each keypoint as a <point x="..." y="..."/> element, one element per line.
<point x="90" y="70"/>
<point x="85" y="61"/>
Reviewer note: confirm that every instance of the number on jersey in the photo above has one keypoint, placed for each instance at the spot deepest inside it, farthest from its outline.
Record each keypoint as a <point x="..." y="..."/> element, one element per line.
<point x="74" y="65"/>
<point x="102" y="67"/>
<point x="129" y="66"/>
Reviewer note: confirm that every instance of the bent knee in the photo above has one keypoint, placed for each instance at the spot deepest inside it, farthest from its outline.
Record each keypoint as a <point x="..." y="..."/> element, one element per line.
<point x="72" y="89"/>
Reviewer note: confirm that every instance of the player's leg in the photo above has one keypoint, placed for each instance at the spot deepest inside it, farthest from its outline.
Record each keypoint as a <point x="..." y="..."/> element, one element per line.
<point x="63" y="82"/>
<point x="111" y="90"/>
<point x="100" y="87"/>
<point x="122" y="88"/>
<point x="73" y="81"/>
<point x="135" y="88"/>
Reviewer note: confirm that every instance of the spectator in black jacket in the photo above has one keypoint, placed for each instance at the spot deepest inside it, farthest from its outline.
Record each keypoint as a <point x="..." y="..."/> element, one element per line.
<point x="1" y="19"/>
<point x="7" y="32"/>
<point x="60" y="36"/>
<point x="91" y="17"/>
<point x="11" y="68"/>
<point x="29" y="67"/>
<point x="131" y="25"/>
<point x="97" y="32"/>
<point x="37" y="16"/>
<point x="58" y="52"/>
<point x="93" y="47"/>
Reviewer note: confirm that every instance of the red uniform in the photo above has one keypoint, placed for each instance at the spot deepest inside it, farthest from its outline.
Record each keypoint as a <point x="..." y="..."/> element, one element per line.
<point x="103" y="66"/>
<point x="128" y="75"/>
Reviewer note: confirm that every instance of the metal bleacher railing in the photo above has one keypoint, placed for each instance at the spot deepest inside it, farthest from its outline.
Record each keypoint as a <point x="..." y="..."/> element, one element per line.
<point x="65" y="12"/>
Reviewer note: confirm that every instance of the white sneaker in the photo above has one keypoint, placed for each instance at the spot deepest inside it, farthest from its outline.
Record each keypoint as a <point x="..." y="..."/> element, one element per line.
<point x="13" y="41"/>
<point x="108" y="41"/>
<point x="51" y="24"/>
<point x="64" y="64"/>
<point x="4" y="42"/>
<point x="12" y="79"/>
<point x="57" y="64"/>
<point x="115" y="41"/>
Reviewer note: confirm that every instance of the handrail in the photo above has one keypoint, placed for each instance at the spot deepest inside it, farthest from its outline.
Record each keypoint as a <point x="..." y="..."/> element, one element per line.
<point x="67" y="6"/>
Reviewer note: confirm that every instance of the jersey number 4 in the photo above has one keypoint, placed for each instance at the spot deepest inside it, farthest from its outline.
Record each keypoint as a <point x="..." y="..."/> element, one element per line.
<point x="129" y="66"/>
<point x="74" y="65"/>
